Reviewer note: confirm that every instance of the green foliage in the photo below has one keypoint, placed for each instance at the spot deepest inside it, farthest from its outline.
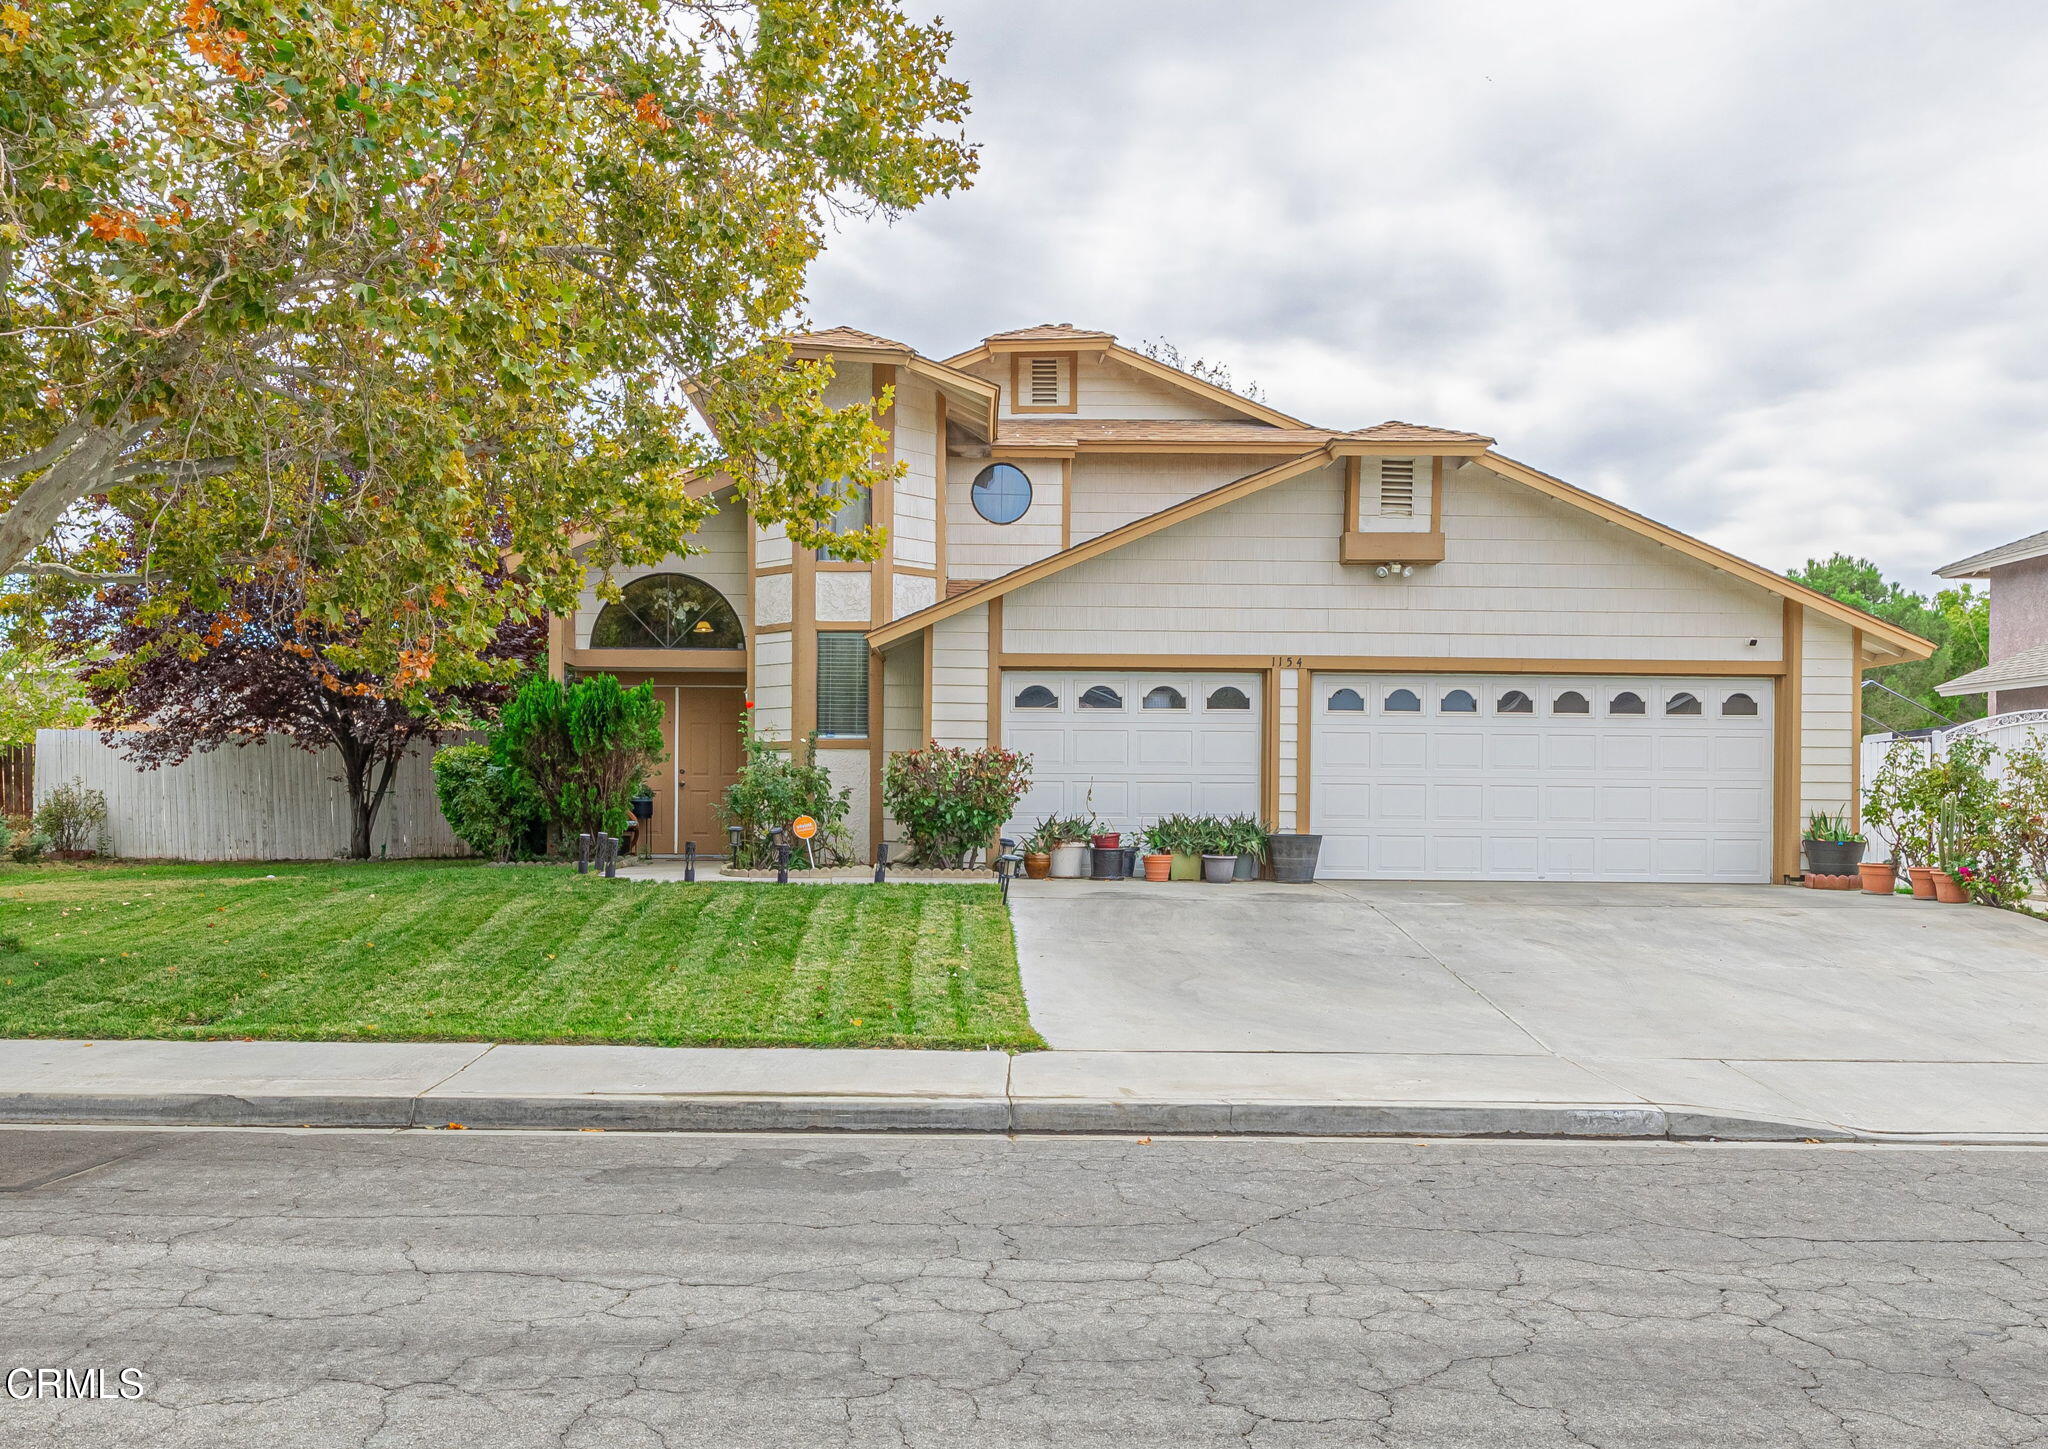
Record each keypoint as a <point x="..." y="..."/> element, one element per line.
<point x="2023" y="805"/>
<point x="21" y="842"/>
<point x="73" y="817"/>
<point x="771" y="790"/>
<point x="389" y="289"/>
<point x="489" y="805"/>
<point x="1951" y="810"/>
<point x="1185" y="835"/>
<point x="1958" y="620"/>
<point x="38" y="692"/>
<point x="584" y="749"/>
<point x="1823" y="826"/>
<point x="1061" y="830"/>
<point x="1244" y="835"/>
<point x="952" y="801"/>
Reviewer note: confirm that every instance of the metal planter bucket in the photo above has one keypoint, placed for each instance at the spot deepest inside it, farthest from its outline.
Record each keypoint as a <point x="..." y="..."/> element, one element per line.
<point x="1294" y="857"/>
<point x="1833" y="857"/>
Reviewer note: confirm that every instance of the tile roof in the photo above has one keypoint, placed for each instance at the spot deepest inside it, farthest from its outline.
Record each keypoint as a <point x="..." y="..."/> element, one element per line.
<point x="848" y="337"/>
<point x="1048" y="332"/>
<point x="2023" y="670"/>
<point x="2019" y="550"/>
<point x="1058" y="431"/>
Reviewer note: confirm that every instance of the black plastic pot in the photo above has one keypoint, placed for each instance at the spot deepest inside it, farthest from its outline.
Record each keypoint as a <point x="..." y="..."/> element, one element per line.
<point x="1108" y="862"/>
<point x="1833" y="857"/>
<point x="1294" y="857"/>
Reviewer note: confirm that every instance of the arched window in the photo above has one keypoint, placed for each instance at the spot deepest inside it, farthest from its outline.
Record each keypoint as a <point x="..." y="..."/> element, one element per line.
<point x="1348" y="700"/>
<point x="1036" y="696"/>
<point x="1459" y="701"/>
<point x="668" y="611"/>
<point x="1515" y="702"/>
<point x="1738" y="704"/>
<point x="1570" y="702"/>
<point x="1229" y="697"/>
<point x="1101" y="696"/>
<point x="1403" y="701"/>
<point x="1682" y="703"/>
<point x="1165" y="697"/>
<point x="1001" y="493"/>
<point x="1627" y="702"/>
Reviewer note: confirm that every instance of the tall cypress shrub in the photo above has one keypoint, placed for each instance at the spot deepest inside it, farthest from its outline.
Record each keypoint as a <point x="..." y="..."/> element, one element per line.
<point x="585" y="748"/>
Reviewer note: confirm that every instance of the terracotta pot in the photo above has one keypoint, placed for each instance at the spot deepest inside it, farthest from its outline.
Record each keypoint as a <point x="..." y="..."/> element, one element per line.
<point x="1949" y="890"/>
<point x="1185" y="867"/>
<point x="1108" y="840"/>
<point x="1922" y="878"/>
<point x="1158" y="867"/>
<point x="1879" y="879"/>
<point x="1037" y="867"/>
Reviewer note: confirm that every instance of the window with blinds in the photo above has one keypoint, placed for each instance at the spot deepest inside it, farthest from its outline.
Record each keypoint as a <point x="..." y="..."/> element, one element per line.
<point x="843" y="685"/>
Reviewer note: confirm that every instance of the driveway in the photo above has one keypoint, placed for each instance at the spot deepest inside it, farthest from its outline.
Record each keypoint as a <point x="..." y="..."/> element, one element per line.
<point x="1885" y="1015"/>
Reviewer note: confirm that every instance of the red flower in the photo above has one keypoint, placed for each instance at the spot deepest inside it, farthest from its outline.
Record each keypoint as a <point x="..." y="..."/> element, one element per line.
<point x="748" y="705"/>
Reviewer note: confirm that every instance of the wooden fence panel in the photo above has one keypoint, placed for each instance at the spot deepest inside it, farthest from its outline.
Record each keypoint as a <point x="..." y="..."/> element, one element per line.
<point x="262" y="801"/>
<point x="17" y="780"/>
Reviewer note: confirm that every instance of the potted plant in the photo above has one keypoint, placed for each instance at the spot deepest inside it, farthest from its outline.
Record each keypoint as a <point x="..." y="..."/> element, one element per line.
<point x="1181" y="837"/>
<point x="1832" y="848"/>
<point x="1158" y="852"/>
<point x="1245" y="836"/>
<point x="1070" y="846"/>
<point x="1885" y="817"/>
<point x="1038" y="851"/>
<point x="1219" y="860"/>
<point x="1293" y="856"/>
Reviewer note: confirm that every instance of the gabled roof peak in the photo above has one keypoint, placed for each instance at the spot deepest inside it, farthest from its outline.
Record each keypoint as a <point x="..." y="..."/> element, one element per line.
<point x="1051" y="332"/>
<point x="848" y="337"/>
<point x="1395" y="431"/>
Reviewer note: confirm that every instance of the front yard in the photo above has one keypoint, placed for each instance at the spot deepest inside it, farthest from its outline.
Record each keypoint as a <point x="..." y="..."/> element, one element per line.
<point x="458" y="951"/>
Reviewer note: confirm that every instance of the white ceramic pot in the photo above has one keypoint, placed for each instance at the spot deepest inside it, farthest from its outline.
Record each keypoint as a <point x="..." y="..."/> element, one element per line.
<point x="1070" y="861"/>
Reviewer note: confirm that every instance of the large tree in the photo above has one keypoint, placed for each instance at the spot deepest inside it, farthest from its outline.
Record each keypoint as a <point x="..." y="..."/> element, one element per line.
<point x="380" y="292"/>
<point x="174" y="680"/>
<point x="1958" y="620"/>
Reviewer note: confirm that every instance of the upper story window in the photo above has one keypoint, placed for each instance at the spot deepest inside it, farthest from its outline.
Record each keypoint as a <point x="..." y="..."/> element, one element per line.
<point x="856" y="512"/>
<point x="668" y="611"/>
<point x="1042" y="384"/>
<point x="1001" y="493"/>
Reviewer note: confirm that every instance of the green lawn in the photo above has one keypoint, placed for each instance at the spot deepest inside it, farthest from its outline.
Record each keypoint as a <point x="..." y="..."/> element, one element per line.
<point x="459" y="951"/>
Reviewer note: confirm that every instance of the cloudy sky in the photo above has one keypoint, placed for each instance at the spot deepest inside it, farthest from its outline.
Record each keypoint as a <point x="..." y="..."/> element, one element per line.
<point x="1768" y="270"/>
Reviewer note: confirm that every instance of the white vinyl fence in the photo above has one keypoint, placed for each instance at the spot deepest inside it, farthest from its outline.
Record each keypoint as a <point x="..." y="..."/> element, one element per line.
<point x="2005" y="731"/>
<point x="265" y="801"/>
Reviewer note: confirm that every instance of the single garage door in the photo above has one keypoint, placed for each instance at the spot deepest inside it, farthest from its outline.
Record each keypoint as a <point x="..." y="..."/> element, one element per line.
<point x="1498" y="777"/>
<point x="1132" y="745"/>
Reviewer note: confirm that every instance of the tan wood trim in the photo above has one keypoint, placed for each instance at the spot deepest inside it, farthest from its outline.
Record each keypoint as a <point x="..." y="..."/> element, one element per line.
<point x="1436" y="501"/>
<point x="561" y="636"/>
<point x="1017" y="448"/>
<point x="882" y="591"/>
<point x="1786" y="751"/>
<point x="1304" y="775"/>
<point x="1073" y="402"/>
<point x="656" y="659"/>
<point x="878" y="716"/>
<point x="941" y="489"/>
<point x="1100" y="544"/>
<point x="1856" y="732"/>
<point x="994" y="732"/>
<point x="803" y="648"/>
<point x="1022" y="452"/>
<point x="753" y="596"/>
<point x="1354" y="502"/>
<point x="843" y="742"/>
<point x="1269" y="749"/>
<point x="1066" y="503"/>
<point x="1911" y="645"/>
<point x="1367" y="549"/>
<point x="771" y="570"/>
<point x="844" y="566"/>
<point x="1404" y="664"/>
<point x="925" y="731"/>
<point x="1413" y="448"/>
<point x="917" y="570"/>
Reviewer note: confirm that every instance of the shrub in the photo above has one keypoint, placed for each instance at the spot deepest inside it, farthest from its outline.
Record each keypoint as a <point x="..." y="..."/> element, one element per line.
<point x="21" y="842"/>
<point x="952" y="801"/>
<point x="490" y="806"/>
<point x="772" y="789"/>
<point x="73" y="818"/>
<point x="584" y="749"/>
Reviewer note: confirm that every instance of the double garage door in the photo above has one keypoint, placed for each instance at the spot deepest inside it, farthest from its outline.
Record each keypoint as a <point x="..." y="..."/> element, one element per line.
<point x="1428" y="777"/>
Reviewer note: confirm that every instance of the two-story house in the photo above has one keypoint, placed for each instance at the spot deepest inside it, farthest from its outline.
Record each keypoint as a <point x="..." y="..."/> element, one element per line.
<point x="2017" y="676"/>
<point x="1174" y="598"/>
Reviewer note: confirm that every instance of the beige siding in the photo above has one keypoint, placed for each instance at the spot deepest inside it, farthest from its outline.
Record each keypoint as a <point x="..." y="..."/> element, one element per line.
<point x="902" y="706"/>
<point x="1110" y="389"/>
<point x="1284" y="715"/>
<point x="722" y="564"/>
<point x="1526" y="577"/>
<point x="1828" y="712"/>
<point x="914" y="529"/>
<point x="960" y="679"/>
<point x="978" y="549"/>
<point x="771" y="685"/>
<point x="1110" y="491"/>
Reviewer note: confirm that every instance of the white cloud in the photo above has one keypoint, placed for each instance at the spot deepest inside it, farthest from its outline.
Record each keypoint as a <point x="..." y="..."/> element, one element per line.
<point x="1767" y="271"/>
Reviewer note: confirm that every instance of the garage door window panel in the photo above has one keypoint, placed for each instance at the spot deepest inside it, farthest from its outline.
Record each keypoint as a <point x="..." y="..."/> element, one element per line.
<point x="1403" y="701"/>
<point x="1570" y="702"/>
<point x="1101" y="696"/>
<point x="1165" y="696"/>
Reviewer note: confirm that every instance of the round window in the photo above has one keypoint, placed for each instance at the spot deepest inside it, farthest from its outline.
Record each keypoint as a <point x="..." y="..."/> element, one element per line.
<point x="1001" y="493"/>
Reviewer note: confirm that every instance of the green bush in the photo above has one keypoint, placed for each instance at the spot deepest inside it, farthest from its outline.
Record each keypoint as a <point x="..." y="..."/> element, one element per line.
<point x="952" y="801"/>
<point x="490" y="806"/>
<point x="21" y="842"/>
<point x="772" y="789"/>
<point x="73" y="818"/>
<point x="584" y="749"/>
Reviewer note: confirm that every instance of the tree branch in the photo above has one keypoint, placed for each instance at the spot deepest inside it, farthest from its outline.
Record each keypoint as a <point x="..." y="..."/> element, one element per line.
<point x="66" y="439"/>
<point x="184" y="470"/>
<point x="67" y="572"/>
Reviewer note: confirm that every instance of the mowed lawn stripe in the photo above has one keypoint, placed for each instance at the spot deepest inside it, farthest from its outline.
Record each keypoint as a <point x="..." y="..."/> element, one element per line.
<point x="461" y="951"/>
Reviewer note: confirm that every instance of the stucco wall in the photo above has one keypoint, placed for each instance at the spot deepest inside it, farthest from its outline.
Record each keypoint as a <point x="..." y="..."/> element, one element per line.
<point x="722" y="564"/>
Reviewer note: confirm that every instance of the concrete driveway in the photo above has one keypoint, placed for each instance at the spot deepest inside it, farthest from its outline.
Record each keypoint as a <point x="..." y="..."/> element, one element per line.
<point x="1871" y="1014"/>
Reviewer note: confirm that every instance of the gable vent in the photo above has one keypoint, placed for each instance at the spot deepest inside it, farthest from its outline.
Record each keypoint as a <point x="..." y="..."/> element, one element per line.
<point x="1042" y="383"/>
<point x="1397" y="487"/>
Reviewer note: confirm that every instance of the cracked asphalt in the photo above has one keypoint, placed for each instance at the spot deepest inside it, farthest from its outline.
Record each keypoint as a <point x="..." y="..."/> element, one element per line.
<point x="451" y="1289"/>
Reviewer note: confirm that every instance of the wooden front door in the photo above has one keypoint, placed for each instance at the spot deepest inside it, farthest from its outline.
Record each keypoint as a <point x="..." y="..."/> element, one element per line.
<point x="705" y="756"/>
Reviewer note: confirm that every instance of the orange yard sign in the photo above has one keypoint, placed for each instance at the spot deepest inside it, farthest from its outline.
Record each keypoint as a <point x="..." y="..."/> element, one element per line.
<point x="803" y="827"/>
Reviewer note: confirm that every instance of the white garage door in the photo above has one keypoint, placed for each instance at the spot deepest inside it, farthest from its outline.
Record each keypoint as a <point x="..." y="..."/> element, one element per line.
<point x="1133" y="745"/>
<point x="1498" y="777"/>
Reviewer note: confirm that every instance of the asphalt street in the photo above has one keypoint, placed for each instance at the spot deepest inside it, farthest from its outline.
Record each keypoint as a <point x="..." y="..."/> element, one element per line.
<point x="315" y="1289"/>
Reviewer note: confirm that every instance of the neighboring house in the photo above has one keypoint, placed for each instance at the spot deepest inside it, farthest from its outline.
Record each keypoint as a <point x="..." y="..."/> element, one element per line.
<point x="1173" y="598"/>
<point x="2017" y="676"/>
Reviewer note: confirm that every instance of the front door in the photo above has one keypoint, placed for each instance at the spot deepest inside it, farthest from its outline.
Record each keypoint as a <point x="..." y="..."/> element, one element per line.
<point x="704" y="753"/>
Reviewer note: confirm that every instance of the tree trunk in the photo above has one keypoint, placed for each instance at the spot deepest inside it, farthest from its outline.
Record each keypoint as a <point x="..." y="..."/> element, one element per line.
<point x="362" y="811"/>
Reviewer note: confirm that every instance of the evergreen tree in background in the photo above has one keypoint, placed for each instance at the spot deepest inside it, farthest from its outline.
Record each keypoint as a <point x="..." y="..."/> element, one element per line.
<point x="1958" y="620"/>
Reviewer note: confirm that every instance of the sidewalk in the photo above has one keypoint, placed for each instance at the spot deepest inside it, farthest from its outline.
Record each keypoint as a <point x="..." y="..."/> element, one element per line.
<point x="376" y="1084"/>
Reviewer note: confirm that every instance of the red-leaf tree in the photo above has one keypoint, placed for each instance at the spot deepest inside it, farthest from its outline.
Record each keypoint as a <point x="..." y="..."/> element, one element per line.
<point x="178" y="681"/>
